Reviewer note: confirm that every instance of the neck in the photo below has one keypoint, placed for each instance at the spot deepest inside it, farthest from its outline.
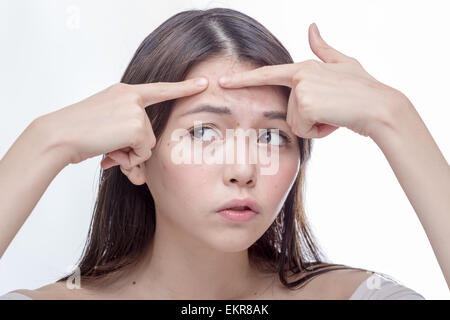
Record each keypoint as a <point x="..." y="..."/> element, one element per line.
<point x="178" y="266"/>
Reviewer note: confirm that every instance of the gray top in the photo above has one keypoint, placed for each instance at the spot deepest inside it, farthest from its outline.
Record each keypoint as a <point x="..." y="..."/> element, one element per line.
<point x="378" y="286"/>
<point x="14" y="296"/>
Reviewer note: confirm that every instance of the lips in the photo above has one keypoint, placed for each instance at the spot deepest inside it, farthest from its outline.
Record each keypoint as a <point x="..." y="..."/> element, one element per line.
<point x="236" y="204"/>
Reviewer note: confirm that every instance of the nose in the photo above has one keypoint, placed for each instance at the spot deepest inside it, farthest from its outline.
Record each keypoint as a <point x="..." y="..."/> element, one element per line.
<point x="241" y="173"/>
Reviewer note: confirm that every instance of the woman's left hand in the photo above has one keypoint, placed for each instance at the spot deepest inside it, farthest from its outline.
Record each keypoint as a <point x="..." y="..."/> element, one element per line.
<point x="340" y="92"/>
<point x="326" y="95"/>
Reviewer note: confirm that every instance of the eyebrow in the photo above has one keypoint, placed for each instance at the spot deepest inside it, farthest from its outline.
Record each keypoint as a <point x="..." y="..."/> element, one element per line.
<point x="226" y="111"/>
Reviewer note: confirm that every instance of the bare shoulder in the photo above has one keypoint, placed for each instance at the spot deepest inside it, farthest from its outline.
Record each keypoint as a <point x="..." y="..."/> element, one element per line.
<point x="55" y="291"/>
<point x="331" y="285"/>
<point x="343" y="283"/>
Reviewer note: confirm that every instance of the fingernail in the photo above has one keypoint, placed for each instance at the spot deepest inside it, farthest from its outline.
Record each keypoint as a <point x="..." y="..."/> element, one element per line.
<point x="224" y="80"/>
<point x="316" y="30"/>
<point x="201" y="82"/>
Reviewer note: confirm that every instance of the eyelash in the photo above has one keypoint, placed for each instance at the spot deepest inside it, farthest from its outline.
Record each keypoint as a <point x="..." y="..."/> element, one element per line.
<point x="281" y="133"/>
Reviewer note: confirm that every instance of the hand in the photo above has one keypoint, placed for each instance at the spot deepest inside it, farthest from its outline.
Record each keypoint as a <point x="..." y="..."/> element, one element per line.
<point x="113" y="120"/>
<point x="326" y="95"/>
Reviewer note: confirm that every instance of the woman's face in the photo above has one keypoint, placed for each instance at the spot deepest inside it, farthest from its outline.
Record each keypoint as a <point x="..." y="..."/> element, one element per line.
<point x="188" y="195"/>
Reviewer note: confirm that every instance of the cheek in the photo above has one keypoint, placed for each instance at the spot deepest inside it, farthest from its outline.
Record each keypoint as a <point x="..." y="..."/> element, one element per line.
<point x="186" y="183"/>
<point x="187" y="179"/>
<point x="277" y="186"/>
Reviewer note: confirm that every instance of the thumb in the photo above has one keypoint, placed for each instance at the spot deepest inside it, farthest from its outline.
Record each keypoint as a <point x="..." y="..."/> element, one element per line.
<point x="321" y="49"/>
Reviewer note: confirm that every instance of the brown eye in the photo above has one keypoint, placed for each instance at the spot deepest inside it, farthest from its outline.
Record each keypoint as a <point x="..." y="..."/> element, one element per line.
<point x="275" y="137"/>
<point x="203" y="133"/>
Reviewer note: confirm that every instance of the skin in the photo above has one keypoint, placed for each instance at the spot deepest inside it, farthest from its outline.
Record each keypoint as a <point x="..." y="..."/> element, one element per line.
<point x="113" y="119"/>
<point x="195" y="253"/>
<point x="355" y="100"/>
<point x="339" y="92"/>
<point x="191" y="240"/>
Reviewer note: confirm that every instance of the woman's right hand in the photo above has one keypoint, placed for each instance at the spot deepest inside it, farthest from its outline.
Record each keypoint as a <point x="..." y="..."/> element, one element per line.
<point x="113" y="121"/>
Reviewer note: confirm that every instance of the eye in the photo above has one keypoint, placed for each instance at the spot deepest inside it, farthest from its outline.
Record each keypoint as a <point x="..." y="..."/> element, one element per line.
<point x="200" y="132"/>
<point x="275" y="135"/>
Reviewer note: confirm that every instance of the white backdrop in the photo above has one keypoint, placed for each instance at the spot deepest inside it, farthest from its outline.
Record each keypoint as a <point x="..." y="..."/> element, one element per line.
<point x="55" y="53"/>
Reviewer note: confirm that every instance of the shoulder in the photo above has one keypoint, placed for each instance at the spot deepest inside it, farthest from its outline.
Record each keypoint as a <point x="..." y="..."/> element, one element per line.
<point x="52" y="291"/>
<point x="352" y="284"/>
<point x="381" y="286"/>
<point x="341" y="284"/>
<point x="331" y="285"/>
<point x="15" y="295"/>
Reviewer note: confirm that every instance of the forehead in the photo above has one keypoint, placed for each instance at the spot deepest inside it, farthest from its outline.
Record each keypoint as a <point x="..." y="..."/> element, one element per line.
<point x="253" y="99"/>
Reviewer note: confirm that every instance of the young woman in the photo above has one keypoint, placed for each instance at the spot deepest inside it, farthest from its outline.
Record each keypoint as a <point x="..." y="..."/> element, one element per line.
<point x="160" y="229"/>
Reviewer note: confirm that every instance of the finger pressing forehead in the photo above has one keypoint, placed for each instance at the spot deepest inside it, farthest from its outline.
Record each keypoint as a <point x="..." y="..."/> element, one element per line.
<point x="267" y="75"/>
<point x="152" y="93"/>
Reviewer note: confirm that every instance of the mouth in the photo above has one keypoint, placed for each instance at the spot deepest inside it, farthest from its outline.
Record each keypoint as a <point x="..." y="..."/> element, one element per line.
<point x="241" y="205"/>
<point x="240" y="209"/>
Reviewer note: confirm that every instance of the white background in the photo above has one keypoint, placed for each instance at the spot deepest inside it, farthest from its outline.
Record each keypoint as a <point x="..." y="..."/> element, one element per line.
<point x="55" y="53"/>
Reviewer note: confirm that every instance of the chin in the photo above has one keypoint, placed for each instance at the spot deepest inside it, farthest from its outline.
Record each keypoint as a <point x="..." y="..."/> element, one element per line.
<point x="231" y="242"/>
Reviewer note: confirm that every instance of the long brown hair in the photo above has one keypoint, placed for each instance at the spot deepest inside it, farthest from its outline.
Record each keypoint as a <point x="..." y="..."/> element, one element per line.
<point x="123" y="222"/>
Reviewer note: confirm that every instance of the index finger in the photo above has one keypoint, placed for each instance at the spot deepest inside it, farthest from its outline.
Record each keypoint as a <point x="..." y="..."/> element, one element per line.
<point x="156" y="92"/>
<point x="280" y="74"/>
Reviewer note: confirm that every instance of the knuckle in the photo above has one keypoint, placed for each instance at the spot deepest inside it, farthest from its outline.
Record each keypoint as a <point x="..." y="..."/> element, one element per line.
<point x="301" y="88"/>
<point x="141" y="157"/>
<point x="303" y="99"/>
<point x="134" y="162"/>
<point x="297" y="78"/>
<point x="136" y="99"/>
<point x="148" y="153"/>
<point x="310" y="63"/>
<point x="296" y="129"/>
<point x="152" y="141"/>
<point x="124" y="170"/>
<point x="120" y="87"/>
<point x="302" y="68"/>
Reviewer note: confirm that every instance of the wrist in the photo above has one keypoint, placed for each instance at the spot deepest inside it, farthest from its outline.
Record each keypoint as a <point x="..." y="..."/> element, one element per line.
<point x="389" y="121"/>
<point x="49" y="141"/>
